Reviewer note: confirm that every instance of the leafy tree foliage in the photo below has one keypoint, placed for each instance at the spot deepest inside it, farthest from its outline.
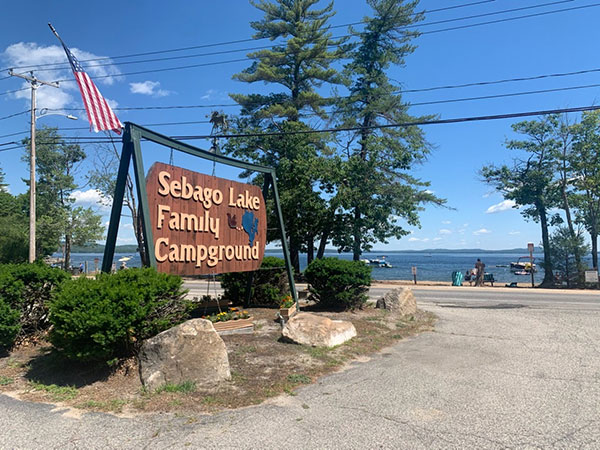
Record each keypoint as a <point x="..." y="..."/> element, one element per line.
<point x="529" y="182"/>
<point x="56" y="218"/>
<point x="567" y="253"/>
<point x="296" y="66"/>
<point x="585" y="166"/>
<point x="376" y="189"/>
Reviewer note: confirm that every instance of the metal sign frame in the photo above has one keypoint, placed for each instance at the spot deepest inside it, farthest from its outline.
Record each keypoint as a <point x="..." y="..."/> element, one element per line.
<point x="132" y="150"/>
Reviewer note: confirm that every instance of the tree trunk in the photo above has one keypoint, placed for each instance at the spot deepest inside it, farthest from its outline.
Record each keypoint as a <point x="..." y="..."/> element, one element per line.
<point x="594" y="239"/>
<point x="323" y="242"/>
<point x="310" y="249"/>
<point x="67" y="261"/>
<point x="356" y="235"/>
<point x="567" y="209"/>
<point x="295" y="255"/>
<point x="548" y="280"/>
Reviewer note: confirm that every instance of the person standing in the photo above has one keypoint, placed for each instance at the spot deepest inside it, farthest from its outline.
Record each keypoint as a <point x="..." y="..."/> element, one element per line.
<point x="480" y="266"/>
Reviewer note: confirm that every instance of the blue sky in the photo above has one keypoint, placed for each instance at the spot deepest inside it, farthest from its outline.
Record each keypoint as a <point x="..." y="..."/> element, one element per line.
<point x="547" y="44"/>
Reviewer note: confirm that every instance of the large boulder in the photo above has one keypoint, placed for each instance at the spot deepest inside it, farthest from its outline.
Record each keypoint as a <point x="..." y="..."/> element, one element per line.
<point x="192" y="351"/>
<point x="400" y="301"/>
<point x="317" y="331"/>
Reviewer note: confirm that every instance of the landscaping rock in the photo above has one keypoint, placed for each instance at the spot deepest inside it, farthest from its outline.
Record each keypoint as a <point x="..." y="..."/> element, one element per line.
<point x="399" y="301"/>
<point x="192" y="351"/>
<point x="317" y="331"/>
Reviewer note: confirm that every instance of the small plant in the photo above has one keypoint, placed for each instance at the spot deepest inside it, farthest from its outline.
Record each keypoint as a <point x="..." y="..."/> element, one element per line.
<point x="57" y="393"/>
<point x="287" y="302"/>
<point x="5" y="381"/>
<point x="299" y="378"/>
<point x="231" y="314"/>
<point x="186" y="387"/>
<point x="338" y="283"/>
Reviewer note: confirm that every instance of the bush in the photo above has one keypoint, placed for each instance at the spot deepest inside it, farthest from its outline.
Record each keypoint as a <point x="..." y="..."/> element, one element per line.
<point x="269" y="285"/>
<point x="9" y="325"/>
<point x="338" y="283"/>
<point x="25" y="294"/>
<point x="109" y="317"/>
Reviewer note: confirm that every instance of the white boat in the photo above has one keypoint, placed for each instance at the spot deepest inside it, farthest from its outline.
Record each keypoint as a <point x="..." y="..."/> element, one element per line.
<point x="385" y="265"/>
<point x="523" y="264"/>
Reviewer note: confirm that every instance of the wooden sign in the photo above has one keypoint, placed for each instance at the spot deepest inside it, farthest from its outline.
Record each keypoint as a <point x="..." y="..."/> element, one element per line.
<point x="203" y="224"/>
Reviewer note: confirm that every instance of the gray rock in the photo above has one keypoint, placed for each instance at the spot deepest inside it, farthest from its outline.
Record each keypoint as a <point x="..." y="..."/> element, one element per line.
<point x="317" y="331"/>
<point x="399" y="301"/>
<point x="192" y="351"/>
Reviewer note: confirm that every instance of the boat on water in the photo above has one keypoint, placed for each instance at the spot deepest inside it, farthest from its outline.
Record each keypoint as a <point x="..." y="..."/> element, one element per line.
<point x="523" y="266"/>
<point x="385" y="265"/>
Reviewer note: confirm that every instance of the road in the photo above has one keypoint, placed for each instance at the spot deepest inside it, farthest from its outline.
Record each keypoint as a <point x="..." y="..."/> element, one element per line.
<point x="504" y="369"/>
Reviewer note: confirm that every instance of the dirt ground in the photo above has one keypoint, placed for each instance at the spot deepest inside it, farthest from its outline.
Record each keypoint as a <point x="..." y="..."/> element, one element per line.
<point x="262" y="366"/>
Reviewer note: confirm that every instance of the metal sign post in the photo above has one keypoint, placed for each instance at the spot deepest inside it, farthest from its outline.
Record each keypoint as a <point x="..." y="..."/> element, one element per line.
<point x="530" y="248"/>
<point x="414" y="273"/>
<point x="132" y="151"/>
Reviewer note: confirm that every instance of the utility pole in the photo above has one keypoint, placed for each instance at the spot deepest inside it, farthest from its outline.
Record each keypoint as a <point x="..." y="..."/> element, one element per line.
<point x="35" y="83"/>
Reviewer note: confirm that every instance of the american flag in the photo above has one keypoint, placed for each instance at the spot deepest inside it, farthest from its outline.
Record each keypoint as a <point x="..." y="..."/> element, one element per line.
<point x="100" y="116"/>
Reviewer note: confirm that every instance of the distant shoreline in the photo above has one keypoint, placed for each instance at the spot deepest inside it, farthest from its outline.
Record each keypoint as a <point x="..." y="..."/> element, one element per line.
<point x="516" y="251"/>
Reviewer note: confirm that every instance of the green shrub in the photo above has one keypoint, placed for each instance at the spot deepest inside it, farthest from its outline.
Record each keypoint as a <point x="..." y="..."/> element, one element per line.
<point x="25" y="294"/>
<point x="338" y="283"/>
<point x="9" y="325"/>
<point x="109" y="317"/>
<point x="269" y="285"/>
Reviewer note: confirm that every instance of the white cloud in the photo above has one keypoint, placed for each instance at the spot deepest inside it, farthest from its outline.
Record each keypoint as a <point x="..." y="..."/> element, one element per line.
<point x="502" y="206"/>
<point x="445" y="231"/>
<point x="32" y="54"/>
<point x="425" y="240"/>
<point x="481" y="231"/>
<point x="513" y="233"/>
<point x="437" y="239"/>
<point x="446" y="222"/>
<point x="429" y="191"/>
<point x="148" y="88"/>
<point x="209" y="94"/>
<point x="91" y="197"/>
<point x="413" y="239"/>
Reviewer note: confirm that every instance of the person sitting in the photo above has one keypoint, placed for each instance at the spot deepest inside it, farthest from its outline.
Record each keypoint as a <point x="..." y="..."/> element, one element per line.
<point x="468" y="276"/>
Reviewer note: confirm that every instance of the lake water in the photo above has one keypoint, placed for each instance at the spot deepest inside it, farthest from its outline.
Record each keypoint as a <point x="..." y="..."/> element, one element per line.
<point x="430" y="266"/>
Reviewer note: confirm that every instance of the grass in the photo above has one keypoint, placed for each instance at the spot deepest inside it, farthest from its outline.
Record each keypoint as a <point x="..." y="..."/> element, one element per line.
<point x="299" y="378"/>
<point x="5" y="381"/>
<point x="57" y="393"/>
<point x="186" y="387"/>
<point x="114" y="405"/>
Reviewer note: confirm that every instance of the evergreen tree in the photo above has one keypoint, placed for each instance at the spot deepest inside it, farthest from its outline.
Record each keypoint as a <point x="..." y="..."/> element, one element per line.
<point x="296" y="65"/>
<point x="530" y="182"/>
<point x="376" y="189"/>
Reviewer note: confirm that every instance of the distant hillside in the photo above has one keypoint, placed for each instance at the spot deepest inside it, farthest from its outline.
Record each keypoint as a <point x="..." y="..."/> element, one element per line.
<point x="99" y="248"/>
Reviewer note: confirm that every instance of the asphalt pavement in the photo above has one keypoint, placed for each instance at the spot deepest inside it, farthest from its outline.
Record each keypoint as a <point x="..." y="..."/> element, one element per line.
<point x="517" y="369"/>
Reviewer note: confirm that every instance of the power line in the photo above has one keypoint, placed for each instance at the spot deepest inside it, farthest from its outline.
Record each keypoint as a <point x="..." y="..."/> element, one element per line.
<point x="433" y="102"/>
<point x="238" y="41"/>
<point x="58" y="66"/>
<point x="384" y="126"/>
<point x="508" y="19"/>
<point x="247" y="59"/>
<point x="15" y="114"/>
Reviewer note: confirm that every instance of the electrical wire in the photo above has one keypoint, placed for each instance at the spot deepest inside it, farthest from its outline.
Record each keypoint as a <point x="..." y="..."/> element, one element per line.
<point x="246" y="59"/>
<point x="238" y="41"/>
<point x="58" y="66"/>
<point x="15" y="114"/>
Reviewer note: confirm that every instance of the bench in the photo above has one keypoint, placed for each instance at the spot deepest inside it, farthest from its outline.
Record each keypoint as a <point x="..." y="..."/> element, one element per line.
<point x="487" y="278"/>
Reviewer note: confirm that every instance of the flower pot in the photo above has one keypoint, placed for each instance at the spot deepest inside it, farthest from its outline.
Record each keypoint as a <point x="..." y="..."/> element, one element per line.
<point x="234" y="326"/>
<point x="286" y="313"/>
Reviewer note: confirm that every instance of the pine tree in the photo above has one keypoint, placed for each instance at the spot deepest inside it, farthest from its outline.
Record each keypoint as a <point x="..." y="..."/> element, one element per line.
<point x="296" y="66"/>
<point x="377" y="189"/>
